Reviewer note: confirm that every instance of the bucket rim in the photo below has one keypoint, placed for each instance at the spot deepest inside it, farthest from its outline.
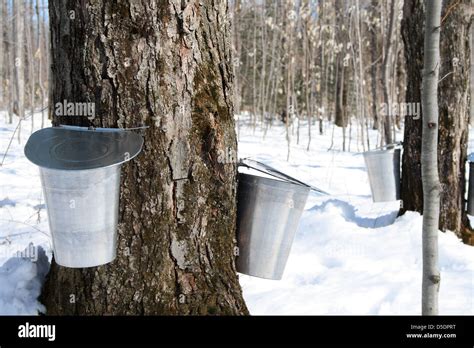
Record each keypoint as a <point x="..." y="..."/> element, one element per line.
<point x="381" y="152"/>
<point x="83" y="170"/>
<point x="259" y="275"/>
<point x="272" y="181"/>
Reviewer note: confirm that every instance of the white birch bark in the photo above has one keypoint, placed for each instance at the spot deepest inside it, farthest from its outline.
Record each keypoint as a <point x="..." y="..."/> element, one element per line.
<point x="429" y="159"/>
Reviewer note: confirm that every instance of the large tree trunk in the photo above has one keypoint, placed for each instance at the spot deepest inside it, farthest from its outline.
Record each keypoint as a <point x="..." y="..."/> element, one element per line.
<point x="3" y="77"/>
<point x="471" y="47"/>
<point x="164" y="64"/>
<point x="412" y="33"/>
<point x="429" y="159"/>
<point x="453" y="113"/>
<point x="454" y="116"/>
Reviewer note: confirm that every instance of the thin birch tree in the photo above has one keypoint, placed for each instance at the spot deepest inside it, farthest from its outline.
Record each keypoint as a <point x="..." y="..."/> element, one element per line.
<point x="429" y="158"/>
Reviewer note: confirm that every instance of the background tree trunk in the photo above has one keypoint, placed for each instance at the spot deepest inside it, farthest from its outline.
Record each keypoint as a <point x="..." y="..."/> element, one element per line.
<point x="43" y="58"/>
<point x="453" y="113"/>
<point x="374" y="66"/>
<point x="412" y="34"/>
<point x="19" y="61"/>
<point x="3" y="75"/>
<point x="387" y="119"/>
<point x="341" y="118"/>
<point x="30" y="52"/>
<point x="10" y="66"/>
<point x="471" y="47"/>
<point x="165" y="64"/>
<point x="454" y="116"/>
<point x="429" y="159"/>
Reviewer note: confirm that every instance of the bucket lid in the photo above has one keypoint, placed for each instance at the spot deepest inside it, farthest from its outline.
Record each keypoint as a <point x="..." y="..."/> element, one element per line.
<point x="384" y="149"/>
<point x="381" y="152"/>
<point x="79" y="148"/>
<point x="271" y="173"/>
<point x="253" y="172"/>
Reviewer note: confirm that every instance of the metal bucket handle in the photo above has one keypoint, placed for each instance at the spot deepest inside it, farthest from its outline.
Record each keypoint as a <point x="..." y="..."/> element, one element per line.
<point x="99" y="129"/>
<point x="390" y="146"/>
<point x="264" y="168"/>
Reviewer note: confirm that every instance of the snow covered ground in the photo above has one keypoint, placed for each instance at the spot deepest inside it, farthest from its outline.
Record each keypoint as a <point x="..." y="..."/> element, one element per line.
<point x="350" y="256"/>
<point x="25" y="248"/>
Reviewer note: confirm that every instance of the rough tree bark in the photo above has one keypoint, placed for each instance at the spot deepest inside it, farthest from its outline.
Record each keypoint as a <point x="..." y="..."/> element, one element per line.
<point x="454" y="116"/>
<point x="429" y="158"/>
<point x="412" y="34"/>
<point x="471" y="47"/>
<point x="3" y="76"/>
<point x="164" y="64"/>
<point x="453" y="113"/>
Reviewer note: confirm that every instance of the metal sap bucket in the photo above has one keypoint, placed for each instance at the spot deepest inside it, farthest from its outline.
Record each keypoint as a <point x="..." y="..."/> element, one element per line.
<point x="80" y="176"/>
<point x="383" y="168"/>
<point x="470" y="192"/>
<point x="268" y="214"/>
